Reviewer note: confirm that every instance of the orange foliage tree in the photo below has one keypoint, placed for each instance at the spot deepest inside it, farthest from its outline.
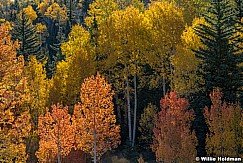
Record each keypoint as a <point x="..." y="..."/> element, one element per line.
<point x="95" y="121"/>
<point x="14" y="117"/>
<point x="173" y="140"/>
<point x="223" y="120"/>
<point x="56" y="134"/>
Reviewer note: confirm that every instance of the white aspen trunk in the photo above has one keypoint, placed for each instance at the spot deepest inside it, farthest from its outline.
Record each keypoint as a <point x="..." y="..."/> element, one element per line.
<point x="135" y="110"/>
<point x="59" y="152"/>
<point x="128" y="108"/>
<point x="172" y="52"/>
<point x="58" y="146"/>
<point x="95" y="147"/>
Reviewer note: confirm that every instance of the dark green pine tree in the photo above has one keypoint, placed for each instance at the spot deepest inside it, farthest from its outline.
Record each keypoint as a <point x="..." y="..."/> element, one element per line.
<point x="26" y="34"/>
<point x="221" y="56"/>
<point x="54" y="59"/>
<point x="239" y="4"/>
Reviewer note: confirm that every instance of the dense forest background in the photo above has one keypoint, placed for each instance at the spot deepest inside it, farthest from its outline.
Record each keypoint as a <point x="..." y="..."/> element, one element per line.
<point x="120" y="80"/>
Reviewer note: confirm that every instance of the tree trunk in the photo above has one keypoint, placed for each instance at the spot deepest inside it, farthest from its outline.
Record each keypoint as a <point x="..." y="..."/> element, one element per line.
<point x="118" y="110"/>
<point x="172" y="52"/>
<point x="128" y="108"/>
<point x="163" y="85"/>
<point x="58" y="146"/>
<point x="59" y="152"/>
<point x="135" y="110"/>
<point x="95" y="159"/>
<point x="95" y="146"/>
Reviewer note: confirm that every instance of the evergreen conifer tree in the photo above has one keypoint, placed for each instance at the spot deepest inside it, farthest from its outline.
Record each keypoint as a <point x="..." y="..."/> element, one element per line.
<point x="239" y="4"/>
<point x="220" y="54"/>
<point x="26" y="34"/>
<point x="58" y="56"/>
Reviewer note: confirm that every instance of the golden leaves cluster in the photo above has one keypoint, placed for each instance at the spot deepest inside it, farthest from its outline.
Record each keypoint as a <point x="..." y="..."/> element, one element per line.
<point x="124" y="38"/>
<point x="100" y="10"/>
<point x="185" y="77"/>
<point x="40" y="28"/>
<point x="30" y="13"/>
<point x="42" y="7"/>
<point x="39" y="88"/>
<point x="78" y="65"/>
<point x="56" y="12"/>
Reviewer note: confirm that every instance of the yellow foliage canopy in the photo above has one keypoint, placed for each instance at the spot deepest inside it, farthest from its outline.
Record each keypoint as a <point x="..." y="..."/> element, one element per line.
<point x="40" y="28"/>
<point x="101" y="9"/>
<point x="185" y="79"/>
<point x="124" y="38"/>
<point x="30" y="13"/>
<point x="167" y="24"/>
<point x="78" y="65"/>
<point x="39" y="88"/>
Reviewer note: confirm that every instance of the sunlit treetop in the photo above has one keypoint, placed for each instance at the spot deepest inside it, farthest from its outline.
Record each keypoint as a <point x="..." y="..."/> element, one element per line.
<point x="189" y="37"/>
<point x="42" y="7"/>
<point x="57" y="12"/>
<point x="78" y="40"/>
<point x="40" y="28"/>
<point x="167" y="20"/>
<point x="30" y="13"/>
<point x="100" y="10"/>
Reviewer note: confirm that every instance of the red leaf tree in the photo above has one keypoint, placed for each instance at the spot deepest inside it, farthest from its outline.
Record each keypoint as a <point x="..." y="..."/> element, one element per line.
<point x="173" y="140"/>
<point x="56" y="134"/>
<point x="223" y="120"/>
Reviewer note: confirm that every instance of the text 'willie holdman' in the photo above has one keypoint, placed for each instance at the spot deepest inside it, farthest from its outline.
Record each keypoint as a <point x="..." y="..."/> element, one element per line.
<point x="229" y="159"/>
